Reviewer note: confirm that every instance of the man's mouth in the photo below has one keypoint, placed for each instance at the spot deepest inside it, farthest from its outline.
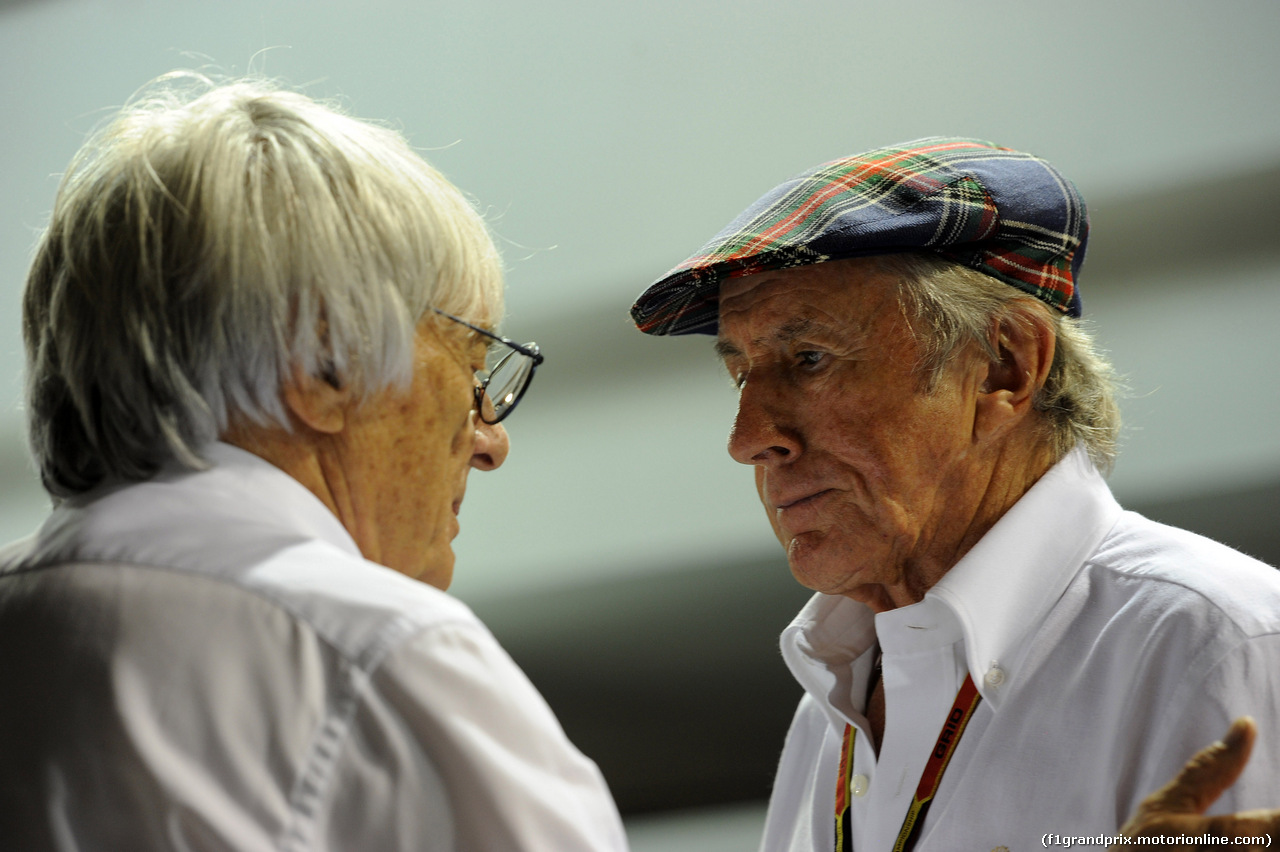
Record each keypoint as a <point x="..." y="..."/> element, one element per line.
<point x="799" y="500"/>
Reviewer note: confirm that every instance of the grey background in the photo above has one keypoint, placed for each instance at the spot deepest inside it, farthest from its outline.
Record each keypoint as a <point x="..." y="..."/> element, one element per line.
<point x="620" y="554"/>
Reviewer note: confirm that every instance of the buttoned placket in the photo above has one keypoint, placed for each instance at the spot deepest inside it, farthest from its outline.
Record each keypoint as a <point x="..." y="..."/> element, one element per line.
<point x="922" y="667"/>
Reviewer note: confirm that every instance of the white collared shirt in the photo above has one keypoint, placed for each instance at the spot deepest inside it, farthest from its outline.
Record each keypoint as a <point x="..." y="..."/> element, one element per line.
<point x="1107" y="649"/>
<point x="204" y="661"/>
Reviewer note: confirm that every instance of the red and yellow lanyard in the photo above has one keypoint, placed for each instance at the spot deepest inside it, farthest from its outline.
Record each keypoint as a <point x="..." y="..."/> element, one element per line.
<point x="967" y="700"/>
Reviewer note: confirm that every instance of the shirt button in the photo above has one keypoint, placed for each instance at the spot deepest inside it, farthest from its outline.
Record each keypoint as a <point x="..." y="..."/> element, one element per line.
<point x="995" y="676"/>
<point x="859" y="784"/>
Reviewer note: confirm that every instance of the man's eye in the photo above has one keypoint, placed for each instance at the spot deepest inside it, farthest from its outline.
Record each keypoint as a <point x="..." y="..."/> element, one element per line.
<point x="736" y="371"/>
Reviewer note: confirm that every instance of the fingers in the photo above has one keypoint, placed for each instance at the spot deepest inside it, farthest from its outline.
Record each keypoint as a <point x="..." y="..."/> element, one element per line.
<point x="1174" y="811"/>
<point x="1243" y="824"/>
<point x="1187" y="833"/>
<point x="1207" y="775"/>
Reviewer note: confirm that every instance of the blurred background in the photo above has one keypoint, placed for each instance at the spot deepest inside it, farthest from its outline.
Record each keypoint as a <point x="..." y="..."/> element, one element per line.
<point x="620" y="554"/>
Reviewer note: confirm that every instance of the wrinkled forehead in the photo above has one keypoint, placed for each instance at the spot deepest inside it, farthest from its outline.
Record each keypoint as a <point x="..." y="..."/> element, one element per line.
<point x="805" y="284"/>
<point x="841" y="296"/>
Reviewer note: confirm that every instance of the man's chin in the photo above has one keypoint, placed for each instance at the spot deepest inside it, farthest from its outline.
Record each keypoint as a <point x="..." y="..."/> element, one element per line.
<point x="832" y="574"/>
<point x="438" y="570"/>
<point x="810" y="567"/>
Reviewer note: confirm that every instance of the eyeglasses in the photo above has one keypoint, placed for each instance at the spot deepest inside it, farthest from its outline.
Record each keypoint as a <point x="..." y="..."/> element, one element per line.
<point x="507" y="375"/>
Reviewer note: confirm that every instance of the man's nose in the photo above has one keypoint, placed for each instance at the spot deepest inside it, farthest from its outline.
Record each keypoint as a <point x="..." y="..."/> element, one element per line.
<point x="760" y="434"/>
<point x="492" y="446"/>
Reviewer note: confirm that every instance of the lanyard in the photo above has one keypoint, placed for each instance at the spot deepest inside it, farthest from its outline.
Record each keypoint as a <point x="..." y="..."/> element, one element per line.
<point x="966" y="702"/>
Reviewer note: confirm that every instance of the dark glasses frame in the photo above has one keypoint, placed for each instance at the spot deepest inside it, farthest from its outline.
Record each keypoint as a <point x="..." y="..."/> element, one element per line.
<point x="527" y="350"/>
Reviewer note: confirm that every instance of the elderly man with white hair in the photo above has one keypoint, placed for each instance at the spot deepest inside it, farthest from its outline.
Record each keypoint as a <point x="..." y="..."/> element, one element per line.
<point x="261" y="364"/>
<point x="998" y="654"/>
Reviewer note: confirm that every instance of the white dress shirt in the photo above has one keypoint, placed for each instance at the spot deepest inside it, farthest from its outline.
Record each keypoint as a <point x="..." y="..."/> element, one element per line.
<point x="204" y="661"/>
<point x="1107" y="648"/>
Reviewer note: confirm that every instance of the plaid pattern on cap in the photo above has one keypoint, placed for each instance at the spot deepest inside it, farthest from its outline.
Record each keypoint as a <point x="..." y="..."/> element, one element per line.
<point x="1002" y="212"/>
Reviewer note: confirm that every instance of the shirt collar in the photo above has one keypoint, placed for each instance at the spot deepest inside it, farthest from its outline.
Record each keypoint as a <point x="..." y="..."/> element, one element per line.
<point x="239" y="510"/>
<point x="1004" y="587"/>
<point x="998" y="592"/>
<point x="827" y="647"/>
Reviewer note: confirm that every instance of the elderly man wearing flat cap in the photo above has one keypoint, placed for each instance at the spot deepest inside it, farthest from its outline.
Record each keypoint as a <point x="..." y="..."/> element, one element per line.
<point x="998" y="654"/>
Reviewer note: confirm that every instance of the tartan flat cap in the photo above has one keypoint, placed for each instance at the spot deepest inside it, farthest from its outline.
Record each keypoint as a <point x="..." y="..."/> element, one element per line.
<point x="1004" y="213"/>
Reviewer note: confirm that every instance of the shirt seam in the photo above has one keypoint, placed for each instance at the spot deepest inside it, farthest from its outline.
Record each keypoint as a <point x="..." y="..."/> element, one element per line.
<point x="1190" y="690"/>
<point x="316" y="776"/>
<point x="315" y="773"/>
<point x="1207" y="600"/>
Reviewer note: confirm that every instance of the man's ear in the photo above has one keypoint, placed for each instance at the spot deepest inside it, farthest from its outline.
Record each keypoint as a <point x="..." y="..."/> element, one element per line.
<point x="319" y="402"/>
<point x="1024" y="342"/>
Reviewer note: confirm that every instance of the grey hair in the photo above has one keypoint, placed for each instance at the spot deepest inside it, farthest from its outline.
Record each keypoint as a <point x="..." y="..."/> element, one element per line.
<point x="952" y="306"/>
<point x="210" y="240"/>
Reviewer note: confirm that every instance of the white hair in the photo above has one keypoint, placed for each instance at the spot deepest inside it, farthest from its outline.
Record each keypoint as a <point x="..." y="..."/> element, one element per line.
<point x="210" y="240"/>
<point x="952" y="306"/>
